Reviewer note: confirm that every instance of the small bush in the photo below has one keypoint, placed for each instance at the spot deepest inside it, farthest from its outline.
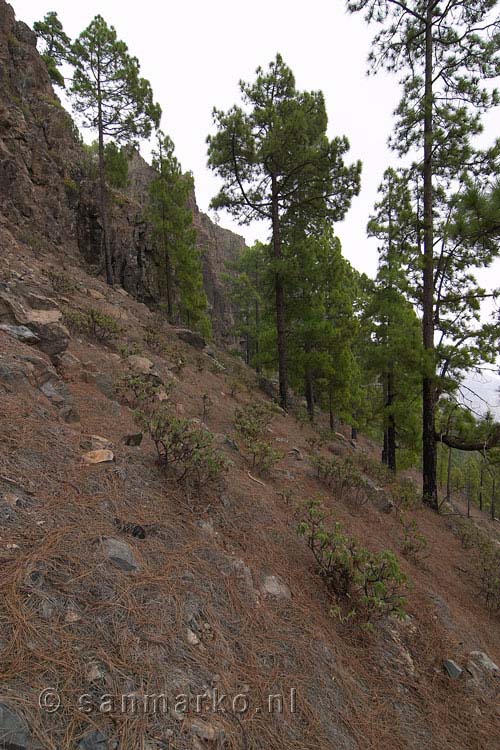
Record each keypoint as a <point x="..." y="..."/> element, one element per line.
<point x="341" y="476"/>
<point x="315" y="442"/>
<point x="153" y="341"/>
<point x="414" y="542"/>
<point x="486" y="556"/>
<point x="129" y="349"/>
<point x="251" y="422"/>
<point x="60" y="283"/>
<point x="185" y="449"/>
<point x="94" y="324"/>
<point x="405" y="494"/>
<point x="489" y="573"/>
<point x="375" y="470"/>
<point x="372" y="583"/>
<point x="141" y="391"/>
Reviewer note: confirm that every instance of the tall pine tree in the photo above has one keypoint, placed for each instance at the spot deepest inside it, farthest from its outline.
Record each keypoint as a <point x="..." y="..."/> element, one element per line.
<point x="109" y="92"/>
<point x="441" y="51"/>
<point x="278" y="165"/>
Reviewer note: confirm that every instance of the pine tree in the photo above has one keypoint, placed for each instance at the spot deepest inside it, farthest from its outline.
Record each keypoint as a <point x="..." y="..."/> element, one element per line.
<point x="394" y="351"/>
<point x="108" y="91"/>
<point x="278" y="165"/>
<point x="248" y="281"/>
<point x="320" y="290"/>
<point x="173" y="224"/>
<point x="442" y="50"/>
<point x="57" y="45"/>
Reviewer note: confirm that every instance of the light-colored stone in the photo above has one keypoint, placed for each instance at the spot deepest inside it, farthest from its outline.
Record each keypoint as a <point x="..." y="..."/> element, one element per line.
<point x="203" y="730"/>
<point x="98" y="457"/>
<point x="192" y="638"/>
<point x="141" y="365"/>
<point x="95" y="443"/>
<point x="72" y="615"/>
<point x="94" y="294"/>
<point x="95" y="672"/>
<point x="274" y="586"/>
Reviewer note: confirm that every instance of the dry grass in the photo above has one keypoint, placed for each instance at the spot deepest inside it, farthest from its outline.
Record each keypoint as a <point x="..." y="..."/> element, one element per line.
<point x="201" y="567"/>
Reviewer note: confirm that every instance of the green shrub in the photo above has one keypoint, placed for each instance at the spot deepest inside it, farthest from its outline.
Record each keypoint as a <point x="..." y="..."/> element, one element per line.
<point x="94" y="324"/>
<point x="372" y="583"/>
<point x="341" y="476"/>
<point x="185" y="449"/>
<point x="489" y="573"/>
<point x="71" y="186"/>
<point x="251" y="423"/>
<point x="375" y="469"/>
<point x="486" y="556"/>
<point x="405" y="494"/>
<point x="141" y="391"/>
<point x="60" y="282"/>
<point x="129" y="349"/>
<point x="414" y="542"/>
<point x="153" y="341"/>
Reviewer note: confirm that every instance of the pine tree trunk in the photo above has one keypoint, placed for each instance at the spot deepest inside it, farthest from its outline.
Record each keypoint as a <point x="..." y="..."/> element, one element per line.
<point x="429" y="446"/>
<point x="258" y="367"/>
<point x="103" y="198"/>
<point x="168" y="270"/>
<point x="330" y="410"/>
<point x="481" y="483"/>
<point x="448" y="477"/>
<point x="280" y="301"/>
<point x="493" y="499"/>
<point x="309" y="393"/>
<point x="391" y="424"/>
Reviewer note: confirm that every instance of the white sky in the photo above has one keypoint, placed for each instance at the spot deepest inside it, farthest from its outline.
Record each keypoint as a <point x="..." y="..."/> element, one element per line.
<point x="194" y="53"/>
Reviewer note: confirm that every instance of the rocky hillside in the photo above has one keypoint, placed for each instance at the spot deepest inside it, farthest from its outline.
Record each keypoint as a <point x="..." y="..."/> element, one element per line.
<point x="48" y="195"/>
<point x="141" y="609"/>
<point x="117" y="579"/>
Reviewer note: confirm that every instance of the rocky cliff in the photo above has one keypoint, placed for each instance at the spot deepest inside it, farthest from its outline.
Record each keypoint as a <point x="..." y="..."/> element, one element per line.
<point x="48" y="193"/>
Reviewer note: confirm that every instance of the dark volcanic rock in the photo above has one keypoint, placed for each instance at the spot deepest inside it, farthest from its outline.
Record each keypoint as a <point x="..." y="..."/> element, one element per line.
<point x="48" y="187"/>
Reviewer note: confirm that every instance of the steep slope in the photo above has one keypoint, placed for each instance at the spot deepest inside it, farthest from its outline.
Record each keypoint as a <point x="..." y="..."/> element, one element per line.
<point x="48" y="192"/>
<point x="115" y="581"/>
<point x="119" y="584"/>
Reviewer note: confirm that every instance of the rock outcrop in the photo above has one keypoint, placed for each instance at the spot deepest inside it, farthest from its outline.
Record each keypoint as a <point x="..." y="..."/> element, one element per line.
<point x="48" y="186"/>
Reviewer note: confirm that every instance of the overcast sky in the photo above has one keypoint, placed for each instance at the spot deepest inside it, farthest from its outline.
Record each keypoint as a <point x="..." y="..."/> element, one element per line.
<point x="194" y="53"/>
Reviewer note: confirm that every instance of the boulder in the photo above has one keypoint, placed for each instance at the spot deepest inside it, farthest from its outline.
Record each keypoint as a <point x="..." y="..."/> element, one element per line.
<point x="483" y="673"/>
<point x="140" y="365"/>
<point x="21" y="333"/>
<point x="68" y="363"/>
<point x="94" y="443"/>
<point x="120" y="553"/>
<point x="43" y="320"/>
<point x="94" y="741"/>
<point x="105" y="384"/>
<point x="46" y="379"/>
<point x="191" y="337"/>
<point x="453" y="669"/>
<point x="99" y="456"/>
<point x="54" y="337"/>
<point x="14" y="732"/>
